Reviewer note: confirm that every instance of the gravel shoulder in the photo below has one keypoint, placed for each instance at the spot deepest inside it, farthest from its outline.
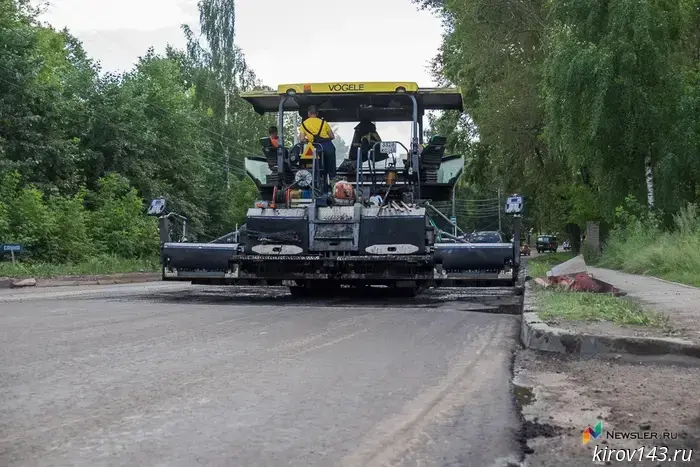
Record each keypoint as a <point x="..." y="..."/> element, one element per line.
<point x="561" y="395"/>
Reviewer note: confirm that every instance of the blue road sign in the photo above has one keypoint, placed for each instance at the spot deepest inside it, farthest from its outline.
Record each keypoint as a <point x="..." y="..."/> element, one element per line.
<point x="8" y="247"/>
<point x="453" y="219"/>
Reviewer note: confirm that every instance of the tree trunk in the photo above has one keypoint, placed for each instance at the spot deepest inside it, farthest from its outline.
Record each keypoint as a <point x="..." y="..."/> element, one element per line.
<point x="650" y="181"/>
<point x="574" y="232"/>
<point x="224" y="145"/>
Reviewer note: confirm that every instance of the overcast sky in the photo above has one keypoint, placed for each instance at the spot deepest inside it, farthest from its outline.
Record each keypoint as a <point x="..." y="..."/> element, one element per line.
<point x="318" y="40"/>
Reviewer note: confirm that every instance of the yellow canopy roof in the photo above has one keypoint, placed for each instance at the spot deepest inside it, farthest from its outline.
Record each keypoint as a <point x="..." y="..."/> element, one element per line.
<point x="352" y="101"/>
<point x="348" y="87"/>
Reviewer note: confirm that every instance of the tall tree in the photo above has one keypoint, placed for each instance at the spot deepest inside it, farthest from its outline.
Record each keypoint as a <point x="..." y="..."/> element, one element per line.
<point x="147" y="128"/>
<point x="215" y="68"/>
<point x="46" y="83"/>
<point x="217" y="19"/>
<point x="576" y="103"/>
<point x="612" y="91"/>
<point x="494" y="51"/>
<point x="224" y="70"/>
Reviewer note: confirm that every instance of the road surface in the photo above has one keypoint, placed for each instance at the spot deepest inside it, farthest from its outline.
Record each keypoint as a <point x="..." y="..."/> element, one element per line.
<point x="179" y="375"/>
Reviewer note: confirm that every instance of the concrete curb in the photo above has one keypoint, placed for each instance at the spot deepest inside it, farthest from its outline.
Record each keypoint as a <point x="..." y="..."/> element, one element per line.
<point x="21" y="283"/>
<point x="685" y="286"/>
<point x="538" y="335"/>
<point x="104" y="279"/>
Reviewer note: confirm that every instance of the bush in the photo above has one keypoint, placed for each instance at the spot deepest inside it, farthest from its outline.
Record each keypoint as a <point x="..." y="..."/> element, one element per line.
<point x="590" y="254"/>
<point x="9" y="185"/>
<point x="61" y="230"/>
<point x="70" y="241"/>
<point x="639" y="246"/>
<point x="4" y="221"/>
<point x="31" y="222"/>
<point x="118" y="224"/>
<point x="240" y="198"/>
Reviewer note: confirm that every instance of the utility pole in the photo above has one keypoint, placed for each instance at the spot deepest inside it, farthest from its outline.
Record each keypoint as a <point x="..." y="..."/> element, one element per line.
<point x="297" y="124"/>
<point x="499" y="210"/>
<point x="454" y="190"/>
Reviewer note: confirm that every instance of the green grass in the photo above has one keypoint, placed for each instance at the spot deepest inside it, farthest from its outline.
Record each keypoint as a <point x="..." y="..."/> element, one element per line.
<point x="539" y="265"/>
<point x="671" y="256"/>
<point x="587" y="306"/>
<point x="674" y="256"/>
<point x="93" y="266"/>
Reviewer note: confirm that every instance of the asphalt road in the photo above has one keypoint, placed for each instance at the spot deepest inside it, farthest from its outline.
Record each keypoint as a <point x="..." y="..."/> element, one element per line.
<point x="179" y="375"/>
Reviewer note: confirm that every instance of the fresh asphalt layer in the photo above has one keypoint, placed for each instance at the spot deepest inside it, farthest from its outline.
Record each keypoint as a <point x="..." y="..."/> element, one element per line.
<point x="180" y="375"/>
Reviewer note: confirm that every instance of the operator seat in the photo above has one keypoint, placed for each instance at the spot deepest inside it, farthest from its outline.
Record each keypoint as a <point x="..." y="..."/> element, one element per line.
<point x="433" y="152"/>
<point x="430" y="159"/>
<point x="270" y="152"/>
<point x="359" y="141"/>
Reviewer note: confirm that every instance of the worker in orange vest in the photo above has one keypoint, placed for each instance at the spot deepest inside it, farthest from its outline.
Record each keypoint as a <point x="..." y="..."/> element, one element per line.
<point x="274" y="136"/>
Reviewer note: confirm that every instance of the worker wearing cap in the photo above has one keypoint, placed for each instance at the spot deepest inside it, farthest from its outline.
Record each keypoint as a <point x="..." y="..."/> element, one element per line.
<point x="317" y="130"/>
<point x="274" y="136"/>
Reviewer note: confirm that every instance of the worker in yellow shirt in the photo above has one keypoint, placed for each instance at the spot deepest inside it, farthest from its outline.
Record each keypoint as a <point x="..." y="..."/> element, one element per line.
<point x="317" y="130"/>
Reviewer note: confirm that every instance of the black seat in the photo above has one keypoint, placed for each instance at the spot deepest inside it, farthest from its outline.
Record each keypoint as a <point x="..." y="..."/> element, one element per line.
<point x="358" y="141"/>
<point x="432" y="154"/>
<point x="365" y="147"/>
<point x="270" y="152"/>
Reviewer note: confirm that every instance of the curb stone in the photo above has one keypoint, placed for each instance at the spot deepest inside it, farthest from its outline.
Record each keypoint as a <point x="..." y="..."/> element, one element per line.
<point x="104" y="279"/>
<point x="678" y="284"/>
<point x="538" y="335"/>
<point x="30" y="282"/>
<point x="686" y="286"/>
<point x="10" y="283"/>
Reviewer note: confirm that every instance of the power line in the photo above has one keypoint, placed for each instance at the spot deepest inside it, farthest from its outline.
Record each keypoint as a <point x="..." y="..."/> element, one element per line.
<point x="479" y="200"/>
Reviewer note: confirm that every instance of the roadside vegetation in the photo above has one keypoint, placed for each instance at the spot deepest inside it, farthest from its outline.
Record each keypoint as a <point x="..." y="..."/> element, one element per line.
<point x="170" y="127"/>
<point x="539" y="265"/>
<point x="587" y="306"/>
<point x="82" y="228"/>
<point x="577" y="106"/>
<point x="547" y="87"/>
<point x="91" y="267"/>
<point x="641" y="245"/>
<point x="82" y="152"/>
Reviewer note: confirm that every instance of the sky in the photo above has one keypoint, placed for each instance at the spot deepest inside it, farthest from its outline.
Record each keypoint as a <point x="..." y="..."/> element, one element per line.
<point x="318" y="40"/>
